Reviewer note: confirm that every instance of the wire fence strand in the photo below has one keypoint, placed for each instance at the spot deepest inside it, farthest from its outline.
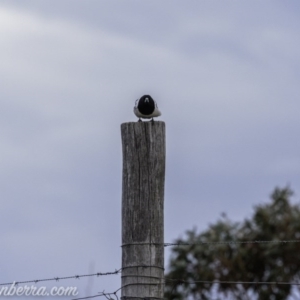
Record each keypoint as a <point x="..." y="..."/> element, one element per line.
<point x="231" y="242"/>
<point x="62" y="278"/>
<point x="212" y="243"/>
<point x="182" y="281"/>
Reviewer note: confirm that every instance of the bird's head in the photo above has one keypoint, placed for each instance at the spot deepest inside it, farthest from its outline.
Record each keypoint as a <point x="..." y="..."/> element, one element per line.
<point x="146" y="99"/>
<point x="146" y="105"/>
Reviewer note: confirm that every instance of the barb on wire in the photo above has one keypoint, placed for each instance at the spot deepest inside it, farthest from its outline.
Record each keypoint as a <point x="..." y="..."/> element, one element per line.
<point x="231" y="242"/>
<point x="62" y="278"/>
<point x="102" y="294"/>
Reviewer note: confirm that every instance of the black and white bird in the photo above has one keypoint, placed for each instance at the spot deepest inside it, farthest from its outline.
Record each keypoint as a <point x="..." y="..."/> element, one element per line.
<point x="146" y="108"/>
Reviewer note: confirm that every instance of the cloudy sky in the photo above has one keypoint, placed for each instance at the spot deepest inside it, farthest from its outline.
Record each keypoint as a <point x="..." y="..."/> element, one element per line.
<point x="225" y="75"/>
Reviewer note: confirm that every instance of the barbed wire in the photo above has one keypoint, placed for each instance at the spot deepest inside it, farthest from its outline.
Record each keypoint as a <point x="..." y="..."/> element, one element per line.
<point x="165" y="245"/>
<point x="62" y="278"/>
<point x="178" y="280"/>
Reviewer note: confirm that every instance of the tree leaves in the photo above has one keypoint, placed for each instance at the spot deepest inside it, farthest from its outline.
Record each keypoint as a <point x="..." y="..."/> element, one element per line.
<point x="247" y="262"/>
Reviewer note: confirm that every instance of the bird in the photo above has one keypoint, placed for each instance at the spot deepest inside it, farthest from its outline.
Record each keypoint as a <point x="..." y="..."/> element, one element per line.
<point x="146" y="108"/>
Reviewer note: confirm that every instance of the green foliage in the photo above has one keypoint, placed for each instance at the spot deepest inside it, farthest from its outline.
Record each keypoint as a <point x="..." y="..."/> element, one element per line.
<point x="252" y="262"/>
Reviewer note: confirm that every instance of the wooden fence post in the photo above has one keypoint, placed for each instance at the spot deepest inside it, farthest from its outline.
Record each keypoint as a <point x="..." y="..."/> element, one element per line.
<point x="143" y="145"/>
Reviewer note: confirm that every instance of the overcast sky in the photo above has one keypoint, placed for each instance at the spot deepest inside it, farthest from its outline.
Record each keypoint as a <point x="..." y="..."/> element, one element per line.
<point x="225" y="75"/>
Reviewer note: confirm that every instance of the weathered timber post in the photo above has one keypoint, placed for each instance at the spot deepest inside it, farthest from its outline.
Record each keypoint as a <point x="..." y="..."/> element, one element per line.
<point x="143" y="146"/>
